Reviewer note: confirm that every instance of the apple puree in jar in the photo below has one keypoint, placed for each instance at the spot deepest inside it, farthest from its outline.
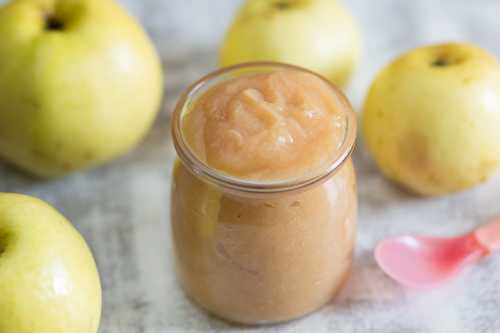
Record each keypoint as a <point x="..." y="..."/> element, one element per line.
<point x="264" y="203"/>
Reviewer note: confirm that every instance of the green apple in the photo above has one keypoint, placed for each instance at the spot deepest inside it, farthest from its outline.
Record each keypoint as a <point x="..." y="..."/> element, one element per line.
<point x="48" y="278"/>
<point x="80" y="82"/>
<point x="432" y="118"/>
<point x="320" y="35"/>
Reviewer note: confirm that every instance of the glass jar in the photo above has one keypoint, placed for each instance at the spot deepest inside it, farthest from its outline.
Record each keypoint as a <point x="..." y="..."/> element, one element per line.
<point x="261" y="252"/>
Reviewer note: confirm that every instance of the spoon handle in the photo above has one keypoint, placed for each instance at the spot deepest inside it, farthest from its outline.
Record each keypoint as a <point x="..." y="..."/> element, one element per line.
<point x="489" y="235"/>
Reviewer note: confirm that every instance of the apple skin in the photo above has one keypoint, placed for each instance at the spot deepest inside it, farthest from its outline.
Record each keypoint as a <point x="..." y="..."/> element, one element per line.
<point x="76" y="97"/>
<point x="48" y="278"/>
<point x="320" y="35"/>
<point x="432" y="118"/>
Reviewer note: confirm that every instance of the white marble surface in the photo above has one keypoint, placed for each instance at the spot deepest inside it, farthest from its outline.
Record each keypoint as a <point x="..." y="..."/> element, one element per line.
<point x="122" y="208"/>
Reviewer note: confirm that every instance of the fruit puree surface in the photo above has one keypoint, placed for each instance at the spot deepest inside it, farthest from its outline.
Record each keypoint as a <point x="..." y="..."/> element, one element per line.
<point x="267" y="126"/>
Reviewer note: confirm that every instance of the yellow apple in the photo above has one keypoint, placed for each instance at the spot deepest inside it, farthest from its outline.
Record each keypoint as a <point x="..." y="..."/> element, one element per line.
<point x="80" y="82"/>
<point x="320" y="35"/>
<point x="48" y="278"/>
<point x="432" y="118"/>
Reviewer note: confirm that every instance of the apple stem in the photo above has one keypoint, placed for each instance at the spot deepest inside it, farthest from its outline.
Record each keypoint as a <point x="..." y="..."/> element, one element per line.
<point x="53" y="23"/>
<point x="3" y="241"/>
<point x="440" y="62"/>
<point x="282" y="5"/>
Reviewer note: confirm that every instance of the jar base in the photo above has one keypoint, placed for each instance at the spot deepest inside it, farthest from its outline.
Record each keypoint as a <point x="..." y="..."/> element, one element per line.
<point x="246" y="323"/>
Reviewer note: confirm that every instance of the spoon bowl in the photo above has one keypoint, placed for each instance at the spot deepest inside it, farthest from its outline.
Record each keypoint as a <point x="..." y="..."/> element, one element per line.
<point x="422" y="262"/>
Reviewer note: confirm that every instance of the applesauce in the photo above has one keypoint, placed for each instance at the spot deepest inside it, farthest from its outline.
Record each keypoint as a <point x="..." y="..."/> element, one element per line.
<point x="263" y="201"/>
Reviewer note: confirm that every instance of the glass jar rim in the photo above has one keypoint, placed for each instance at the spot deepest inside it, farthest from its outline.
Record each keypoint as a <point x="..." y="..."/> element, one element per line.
<point x="201" y="169"/>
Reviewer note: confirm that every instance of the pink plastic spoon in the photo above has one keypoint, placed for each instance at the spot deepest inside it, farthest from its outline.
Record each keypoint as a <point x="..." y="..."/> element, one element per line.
<point x="422" y="262"/>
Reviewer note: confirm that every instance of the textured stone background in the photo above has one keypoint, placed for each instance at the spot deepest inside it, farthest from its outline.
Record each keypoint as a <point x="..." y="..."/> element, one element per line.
<point x="122" y="208"/>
